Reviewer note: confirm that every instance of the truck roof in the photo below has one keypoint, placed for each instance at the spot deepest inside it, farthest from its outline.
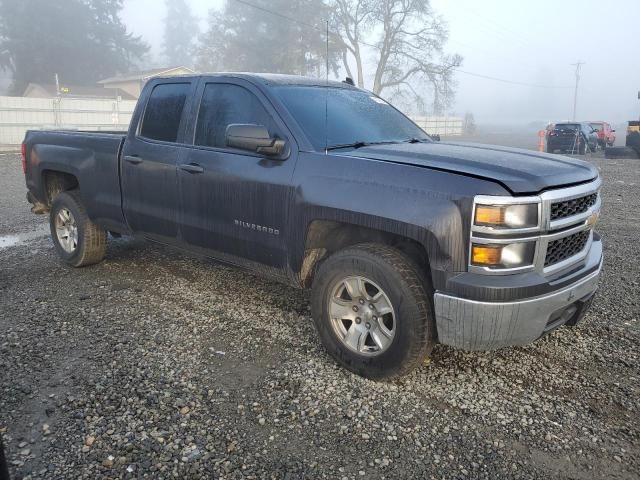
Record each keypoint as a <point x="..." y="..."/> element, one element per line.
<point x="268" y="79"/>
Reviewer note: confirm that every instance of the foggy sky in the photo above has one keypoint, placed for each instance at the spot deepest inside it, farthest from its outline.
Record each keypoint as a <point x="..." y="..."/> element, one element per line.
<point x="528" y="41"/>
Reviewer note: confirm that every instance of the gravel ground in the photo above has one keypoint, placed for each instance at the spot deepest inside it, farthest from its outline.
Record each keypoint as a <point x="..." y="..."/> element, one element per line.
<point x="154" y="364"/>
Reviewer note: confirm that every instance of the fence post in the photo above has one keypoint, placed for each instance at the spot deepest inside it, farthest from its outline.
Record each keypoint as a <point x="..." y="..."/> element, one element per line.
<point x="56" y="112"/>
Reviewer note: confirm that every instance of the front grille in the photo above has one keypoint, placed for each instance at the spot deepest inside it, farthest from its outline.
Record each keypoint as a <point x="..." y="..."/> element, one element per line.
<point x="575" y="206"/>
<point x="563" y="248"/>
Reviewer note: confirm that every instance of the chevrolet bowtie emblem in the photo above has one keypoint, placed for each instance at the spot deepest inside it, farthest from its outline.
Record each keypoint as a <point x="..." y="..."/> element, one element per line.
<point x="593" y="219"/>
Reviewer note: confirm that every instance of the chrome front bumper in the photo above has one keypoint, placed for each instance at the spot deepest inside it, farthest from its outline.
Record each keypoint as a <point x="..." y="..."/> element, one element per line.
<point x="476" y="325"/>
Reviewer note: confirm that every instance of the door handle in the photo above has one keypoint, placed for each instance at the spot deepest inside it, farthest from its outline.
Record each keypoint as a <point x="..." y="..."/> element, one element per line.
<point x="133" y="159"/>
<point x="191" y="168"/>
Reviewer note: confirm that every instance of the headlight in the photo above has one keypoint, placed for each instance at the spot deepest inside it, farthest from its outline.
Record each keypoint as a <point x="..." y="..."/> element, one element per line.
<point x="512" y="255"/>
<point x="506" y="216"/>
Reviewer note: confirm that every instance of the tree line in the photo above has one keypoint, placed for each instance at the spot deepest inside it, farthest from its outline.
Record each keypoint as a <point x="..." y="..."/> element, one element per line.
<point x="395" y="48"/>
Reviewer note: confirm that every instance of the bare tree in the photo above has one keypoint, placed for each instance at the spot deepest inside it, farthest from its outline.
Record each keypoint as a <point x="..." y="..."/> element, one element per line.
<point x="407" y="39"/>
<point x="353" y="20"/>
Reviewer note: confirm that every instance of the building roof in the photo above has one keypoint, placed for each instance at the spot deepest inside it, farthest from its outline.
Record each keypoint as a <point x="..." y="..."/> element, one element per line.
<point x="78" y="91"/>
<point x="143" y="75"/>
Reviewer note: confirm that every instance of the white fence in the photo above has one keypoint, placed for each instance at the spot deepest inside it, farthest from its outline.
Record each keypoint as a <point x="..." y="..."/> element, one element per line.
<point x="445" y="126"/>
<point x="19" y="114"/>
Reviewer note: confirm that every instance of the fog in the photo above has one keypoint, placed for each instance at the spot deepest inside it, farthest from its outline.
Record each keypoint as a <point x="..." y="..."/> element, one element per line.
<point x="528" y="42"/>
<point x="517" y="56"/>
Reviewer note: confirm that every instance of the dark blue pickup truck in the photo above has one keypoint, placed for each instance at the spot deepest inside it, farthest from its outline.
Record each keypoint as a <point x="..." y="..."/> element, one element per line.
<point x="404" y="241"/>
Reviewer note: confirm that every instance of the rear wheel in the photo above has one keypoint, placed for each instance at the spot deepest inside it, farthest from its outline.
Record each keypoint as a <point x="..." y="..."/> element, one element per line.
<point x="77" y="240"/>
<point x="373" y="311"/>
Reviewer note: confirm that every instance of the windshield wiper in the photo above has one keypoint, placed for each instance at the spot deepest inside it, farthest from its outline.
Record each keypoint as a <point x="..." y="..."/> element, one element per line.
<point x="356" y="145"/>
<point x="415" y="140"/>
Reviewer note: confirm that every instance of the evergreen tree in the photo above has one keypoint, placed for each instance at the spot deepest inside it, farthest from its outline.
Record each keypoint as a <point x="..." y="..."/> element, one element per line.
<point x="180" y="32"/>
<point x="82" y="41"/>
<point x="292" y="40"/>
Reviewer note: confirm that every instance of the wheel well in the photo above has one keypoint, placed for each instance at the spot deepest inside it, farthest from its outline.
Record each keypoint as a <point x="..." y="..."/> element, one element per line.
<point x="325" y="237"/>
<point x="56" y="182"/>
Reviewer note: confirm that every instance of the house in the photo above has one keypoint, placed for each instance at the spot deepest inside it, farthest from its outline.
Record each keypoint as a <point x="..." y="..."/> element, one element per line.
<point x="44" y="90"/>
<point x="132" y="83"/>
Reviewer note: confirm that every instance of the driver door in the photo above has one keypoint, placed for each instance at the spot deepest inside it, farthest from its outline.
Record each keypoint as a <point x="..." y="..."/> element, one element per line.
<point x="234" y="204"/>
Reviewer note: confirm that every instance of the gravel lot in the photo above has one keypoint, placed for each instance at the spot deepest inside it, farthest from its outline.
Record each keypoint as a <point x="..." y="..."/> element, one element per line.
<point x="154" y="364"/>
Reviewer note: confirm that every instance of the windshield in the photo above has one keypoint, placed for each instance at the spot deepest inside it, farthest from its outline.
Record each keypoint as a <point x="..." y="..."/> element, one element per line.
<point x="353" y="116"/>
<point x="596" y="126"/>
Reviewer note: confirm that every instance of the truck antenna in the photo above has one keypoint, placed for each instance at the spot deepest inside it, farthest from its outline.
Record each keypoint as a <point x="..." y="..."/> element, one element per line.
<point x="326" y="94"/>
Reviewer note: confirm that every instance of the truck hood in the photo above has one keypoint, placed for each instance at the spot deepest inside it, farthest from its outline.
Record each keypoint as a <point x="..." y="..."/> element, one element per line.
<point x="520" y="171"/>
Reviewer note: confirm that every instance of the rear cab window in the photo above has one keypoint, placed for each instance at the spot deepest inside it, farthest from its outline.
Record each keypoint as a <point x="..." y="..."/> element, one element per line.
<point x="567" y="126"/>
<point x="163" y="113"/>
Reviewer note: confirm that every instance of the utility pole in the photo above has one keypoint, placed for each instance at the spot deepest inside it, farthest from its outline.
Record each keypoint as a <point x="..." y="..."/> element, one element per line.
<point x="575" y="92"/>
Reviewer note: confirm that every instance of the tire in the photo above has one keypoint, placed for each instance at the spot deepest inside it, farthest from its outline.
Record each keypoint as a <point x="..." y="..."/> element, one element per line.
<point x="77" y="240"/>
<point x="408" y="293"/>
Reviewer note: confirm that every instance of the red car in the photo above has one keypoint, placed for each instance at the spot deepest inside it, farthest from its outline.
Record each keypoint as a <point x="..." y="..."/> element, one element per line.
<point x="606" y="135"/>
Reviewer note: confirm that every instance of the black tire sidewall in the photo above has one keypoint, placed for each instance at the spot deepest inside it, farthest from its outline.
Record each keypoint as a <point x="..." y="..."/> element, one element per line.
<point x="67" y="200"/>
<point x="410" y="323"/>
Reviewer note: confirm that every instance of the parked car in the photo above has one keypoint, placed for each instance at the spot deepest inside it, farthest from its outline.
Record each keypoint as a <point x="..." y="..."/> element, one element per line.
<point x="572" y="137"/>
<point x="404" y="242"/>
<point x="606" y="135"/>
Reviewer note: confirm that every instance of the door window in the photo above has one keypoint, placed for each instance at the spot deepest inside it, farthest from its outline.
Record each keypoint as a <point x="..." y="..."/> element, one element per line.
<point x="164" y="110"/>
<point x="223" y="104"/>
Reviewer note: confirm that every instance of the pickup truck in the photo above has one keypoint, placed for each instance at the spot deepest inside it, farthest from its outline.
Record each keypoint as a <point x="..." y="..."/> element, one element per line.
<point x="405" y="242"/>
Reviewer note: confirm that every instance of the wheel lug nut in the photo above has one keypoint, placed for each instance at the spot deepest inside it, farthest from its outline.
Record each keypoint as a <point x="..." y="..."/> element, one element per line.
<point x="368" y="325"/>
<point x="374" y="318"/>
<point x="355" y="308"/>
<point x="361" y="302"/>
<point x="358" y="320"/>
<point x="371" y="306"/>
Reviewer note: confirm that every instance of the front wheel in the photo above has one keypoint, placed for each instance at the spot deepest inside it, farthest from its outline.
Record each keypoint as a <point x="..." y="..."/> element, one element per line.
<point x="77" y="239"/>
<point x="373" y="311"/>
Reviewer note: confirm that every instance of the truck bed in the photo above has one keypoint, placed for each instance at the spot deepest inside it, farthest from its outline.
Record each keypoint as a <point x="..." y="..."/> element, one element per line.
<point x="92" y="158"/>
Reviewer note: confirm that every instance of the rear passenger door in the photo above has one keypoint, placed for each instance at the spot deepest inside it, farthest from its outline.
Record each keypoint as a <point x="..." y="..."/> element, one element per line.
<point x="234" y="204"/>
<point x="149" y="158"/>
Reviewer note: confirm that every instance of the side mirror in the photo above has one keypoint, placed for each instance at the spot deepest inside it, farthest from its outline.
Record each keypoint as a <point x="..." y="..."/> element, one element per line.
<point x="255" y="138"/>
<point x="435" y="137"/>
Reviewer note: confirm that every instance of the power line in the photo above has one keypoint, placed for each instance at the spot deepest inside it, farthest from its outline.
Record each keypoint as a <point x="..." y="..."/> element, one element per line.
<point x="278" y="14"/>
<point x="335" y="34"/>
<point x="513" y="82"/>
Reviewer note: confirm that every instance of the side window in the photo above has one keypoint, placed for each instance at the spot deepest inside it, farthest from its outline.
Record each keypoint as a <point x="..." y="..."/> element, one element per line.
<point x="164" y="110"/>
<point x="223" y="104"/>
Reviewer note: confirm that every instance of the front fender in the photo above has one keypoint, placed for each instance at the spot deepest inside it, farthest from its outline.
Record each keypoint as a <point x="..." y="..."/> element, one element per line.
<point x="428" y="206"/>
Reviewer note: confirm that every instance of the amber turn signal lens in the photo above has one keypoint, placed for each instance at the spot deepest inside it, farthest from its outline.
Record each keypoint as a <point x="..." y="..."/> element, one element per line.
<point x="489" y="215"/>
<point x="486" y="255"/>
